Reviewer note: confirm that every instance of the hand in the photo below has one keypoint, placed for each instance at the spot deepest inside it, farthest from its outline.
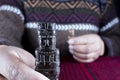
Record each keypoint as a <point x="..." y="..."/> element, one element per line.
<point x="18" y="64"/>
<point x="86" y="48"/>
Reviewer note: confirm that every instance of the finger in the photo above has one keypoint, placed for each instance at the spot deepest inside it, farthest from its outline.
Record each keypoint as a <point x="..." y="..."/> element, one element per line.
<point x="17" y="70"/>
<point x="30" y="74"/>
<point x="21" y="54"/>
<point x="93" y="55"/>
<point x="83" y="40"/>
<point x="14" y="69"/>
<point x="84" y="61"/>
<point x="103" y="49"/>
<point x="24" y="56"/>
<point x="85" y="48"/>
<point x="82" y="48"/>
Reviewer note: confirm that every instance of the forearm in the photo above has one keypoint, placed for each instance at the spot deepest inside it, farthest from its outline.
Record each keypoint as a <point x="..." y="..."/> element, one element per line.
<point x="112" y="41"/>
<point x="11" y="28"/>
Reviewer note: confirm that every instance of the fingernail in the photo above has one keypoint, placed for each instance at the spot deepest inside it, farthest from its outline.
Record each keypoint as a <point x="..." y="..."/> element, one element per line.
<point x="71" y="51"/>
<point x="70" y="47"/>
<point x="70" y="41"/>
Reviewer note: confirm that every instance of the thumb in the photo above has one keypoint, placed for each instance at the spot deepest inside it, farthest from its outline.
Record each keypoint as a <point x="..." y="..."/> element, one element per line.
<point x="16" y="70"/>
<point x="24" y="56"/>
<point x="27" y="73"/>
<point x="13" y="68"/>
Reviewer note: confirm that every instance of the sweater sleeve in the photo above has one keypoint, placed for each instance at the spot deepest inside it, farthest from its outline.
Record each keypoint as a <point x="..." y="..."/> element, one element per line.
<point x="110" y="30"/>
<point x="11" y="23"/>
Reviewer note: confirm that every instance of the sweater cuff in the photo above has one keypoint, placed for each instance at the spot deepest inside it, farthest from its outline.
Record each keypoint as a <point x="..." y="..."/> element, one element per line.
<point x="108" y="47"/>
<point x="4" y="41"/>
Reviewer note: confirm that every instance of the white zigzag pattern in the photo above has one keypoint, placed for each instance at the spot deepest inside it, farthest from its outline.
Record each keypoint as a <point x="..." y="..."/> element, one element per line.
<point x="12" y="9"/>
<point x="110" y="24"/>
<point x="34" y="25"/>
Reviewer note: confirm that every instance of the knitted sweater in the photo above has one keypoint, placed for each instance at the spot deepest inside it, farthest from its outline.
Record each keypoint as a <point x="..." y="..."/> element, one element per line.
<point x="19" y="20"/>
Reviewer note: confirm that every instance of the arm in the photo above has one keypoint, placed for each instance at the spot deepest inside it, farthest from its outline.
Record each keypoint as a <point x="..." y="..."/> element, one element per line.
<point x="110" y="30"/>
<point x="89" y="47"/>
<point x="15" y="62"/>
<point x="11" y="23"/>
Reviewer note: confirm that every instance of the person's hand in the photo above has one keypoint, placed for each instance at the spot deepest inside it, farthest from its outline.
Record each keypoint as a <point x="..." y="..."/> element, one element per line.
<point x="17" y="64"/>
<point x="86" y="48"/>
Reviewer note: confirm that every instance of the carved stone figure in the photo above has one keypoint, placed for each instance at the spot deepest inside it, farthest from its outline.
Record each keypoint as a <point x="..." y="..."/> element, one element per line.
<point x="47" y="55"/>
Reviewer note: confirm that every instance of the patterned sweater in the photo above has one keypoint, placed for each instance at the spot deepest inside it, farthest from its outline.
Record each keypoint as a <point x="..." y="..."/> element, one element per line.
<point x="20" y="18"/>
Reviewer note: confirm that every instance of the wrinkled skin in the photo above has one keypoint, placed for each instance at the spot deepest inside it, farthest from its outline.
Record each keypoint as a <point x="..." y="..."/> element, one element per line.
<point x="17" y="64"/>
<point x="86" y="48"/>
